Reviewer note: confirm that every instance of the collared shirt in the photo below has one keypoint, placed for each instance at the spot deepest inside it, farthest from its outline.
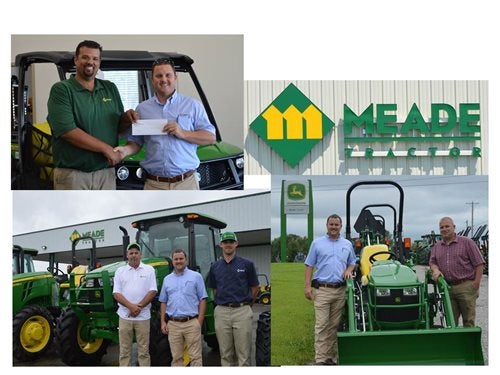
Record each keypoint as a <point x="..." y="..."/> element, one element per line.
<point x="182" y="293"/>
<point x="167" y="155"/>
<point x="96" y="112"/>
<point x="134" y="284"/>
<point x="457" y="260"/>
<point x="233" y="280"/>
<point x="331" y="258"/>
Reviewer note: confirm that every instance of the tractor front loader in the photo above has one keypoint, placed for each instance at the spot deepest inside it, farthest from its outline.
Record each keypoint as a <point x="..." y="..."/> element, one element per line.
<point x="394" y="317"/>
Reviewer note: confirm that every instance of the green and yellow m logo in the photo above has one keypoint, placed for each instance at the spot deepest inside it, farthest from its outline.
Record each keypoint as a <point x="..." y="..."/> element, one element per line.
<point x="292" y="125"/>
<point x="74" y="235"/>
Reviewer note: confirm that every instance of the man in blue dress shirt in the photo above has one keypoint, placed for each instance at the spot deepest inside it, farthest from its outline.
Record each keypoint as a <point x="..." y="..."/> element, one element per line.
<point x="183" y="300"/>
<point x="334" y="259"/>
<point x="171" y="160"/>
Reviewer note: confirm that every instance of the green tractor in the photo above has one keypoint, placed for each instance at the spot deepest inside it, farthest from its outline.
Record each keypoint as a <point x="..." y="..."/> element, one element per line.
<point x="401" y="319"/>
<point x="36" y="302"/>
<point x="90" y="324"/>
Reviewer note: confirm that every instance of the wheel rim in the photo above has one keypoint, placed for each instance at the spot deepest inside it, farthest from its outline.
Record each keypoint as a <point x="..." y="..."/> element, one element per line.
<point x="88" y="347"/>
<point x="35" y="334"/>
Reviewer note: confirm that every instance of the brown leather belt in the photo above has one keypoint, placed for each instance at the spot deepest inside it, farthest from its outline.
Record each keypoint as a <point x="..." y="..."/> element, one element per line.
<point x="182" y="320"/>
<point x="331" y="285"/>
<point x="178" y="178"/>
<point x="457" y="282"/>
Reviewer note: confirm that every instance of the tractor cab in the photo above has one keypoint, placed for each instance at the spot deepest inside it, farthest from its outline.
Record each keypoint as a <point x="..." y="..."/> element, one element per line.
<point x="197" y="235"/>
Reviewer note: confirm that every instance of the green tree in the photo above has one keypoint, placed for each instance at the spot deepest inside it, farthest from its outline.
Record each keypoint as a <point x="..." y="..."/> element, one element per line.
<point x="296" y="247"/>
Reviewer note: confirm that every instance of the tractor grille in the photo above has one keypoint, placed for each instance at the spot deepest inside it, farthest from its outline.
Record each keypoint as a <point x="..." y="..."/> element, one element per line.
<point x="398" y="312"/>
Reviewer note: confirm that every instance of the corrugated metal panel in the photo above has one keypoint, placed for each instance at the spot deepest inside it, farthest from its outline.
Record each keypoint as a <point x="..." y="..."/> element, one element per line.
<point x="260" y="255"/>
<point x="330" y="96"/>
<point x="246" y="213"/>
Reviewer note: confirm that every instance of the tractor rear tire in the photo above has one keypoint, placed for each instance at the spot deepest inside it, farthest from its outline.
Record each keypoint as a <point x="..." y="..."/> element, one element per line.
<point x="263" y="340"/>
<point x="33" y="330"/>
<point x="73" y="349"/>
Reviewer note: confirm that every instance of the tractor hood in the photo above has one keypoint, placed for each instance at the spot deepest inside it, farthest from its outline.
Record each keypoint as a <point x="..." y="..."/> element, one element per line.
<point x="111" y="268"/>
<point x="392" y="273"/>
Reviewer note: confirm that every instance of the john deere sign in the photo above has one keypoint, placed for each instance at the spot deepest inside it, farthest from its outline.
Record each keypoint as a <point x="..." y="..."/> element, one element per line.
<point x="292" y="125"/>
<point x="296" y="197"/>
<point x="378" y="123"/>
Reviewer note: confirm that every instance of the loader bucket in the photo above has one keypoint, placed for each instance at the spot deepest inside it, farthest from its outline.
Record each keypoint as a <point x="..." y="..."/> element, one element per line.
<point x="440" y="346"/>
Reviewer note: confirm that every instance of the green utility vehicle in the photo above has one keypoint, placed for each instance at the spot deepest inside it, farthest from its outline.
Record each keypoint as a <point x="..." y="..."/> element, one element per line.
<point x="31" y="142"/>
<point x="36" y="302"/>
<point x="90" y="324"/>
<point x="391" y="316"/>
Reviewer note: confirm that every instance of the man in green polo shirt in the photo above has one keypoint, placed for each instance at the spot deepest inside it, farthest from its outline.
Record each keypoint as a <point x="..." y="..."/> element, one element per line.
<point x="86" y="115"/>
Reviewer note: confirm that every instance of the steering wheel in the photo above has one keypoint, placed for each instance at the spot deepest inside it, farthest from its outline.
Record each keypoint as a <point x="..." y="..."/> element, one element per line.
<point x="56" y="271"/>
<point x="391" y="256"/>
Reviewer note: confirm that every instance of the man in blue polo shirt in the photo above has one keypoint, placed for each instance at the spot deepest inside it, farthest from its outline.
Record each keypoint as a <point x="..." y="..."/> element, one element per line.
<point x="183" y="300"/>
<point x="334" y="259"/>
<point x="235" y="284"/>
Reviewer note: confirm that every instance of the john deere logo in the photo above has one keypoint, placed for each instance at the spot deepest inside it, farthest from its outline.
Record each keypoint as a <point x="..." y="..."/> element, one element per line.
<point x="296" y="192"/>
<point x="292" y="125"/>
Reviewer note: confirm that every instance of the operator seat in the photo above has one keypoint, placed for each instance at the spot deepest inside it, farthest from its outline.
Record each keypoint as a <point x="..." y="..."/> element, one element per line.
<point x="364" y="263"/>
<point x="79" y="272"/>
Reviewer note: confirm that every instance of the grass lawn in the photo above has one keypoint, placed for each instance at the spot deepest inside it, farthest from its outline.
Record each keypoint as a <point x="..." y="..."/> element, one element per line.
<point x="292" y="319"/>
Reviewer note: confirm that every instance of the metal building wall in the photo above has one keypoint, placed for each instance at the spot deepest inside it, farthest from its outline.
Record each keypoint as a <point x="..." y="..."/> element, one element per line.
<point x="327" y="157"/>
<point x="247" y="213"/>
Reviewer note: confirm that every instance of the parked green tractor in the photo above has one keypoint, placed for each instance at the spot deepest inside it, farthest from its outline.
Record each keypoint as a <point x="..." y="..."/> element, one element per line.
<point x="90" y="324"/>
<point x="401" y="319"/>
<point x="36" y="303"/>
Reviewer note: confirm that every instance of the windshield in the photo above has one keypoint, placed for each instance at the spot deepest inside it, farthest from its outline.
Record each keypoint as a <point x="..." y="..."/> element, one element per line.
<point x="160" y="239"/>
<point x="28" y="264"/>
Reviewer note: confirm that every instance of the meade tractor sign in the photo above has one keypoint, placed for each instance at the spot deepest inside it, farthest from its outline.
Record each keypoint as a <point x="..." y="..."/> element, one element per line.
<point x="381" y="126"/>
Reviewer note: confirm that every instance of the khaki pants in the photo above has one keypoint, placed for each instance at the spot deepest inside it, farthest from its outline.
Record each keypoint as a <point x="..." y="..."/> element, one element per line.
<point x="233" y="327"/>
<point x="73" y="179"/>
<point x="126" y="329"/>
<point x="328" y="306"/>
<point x="189" y="332"/>
<point x="463" y="302"/>
<point x="190" y="183"/>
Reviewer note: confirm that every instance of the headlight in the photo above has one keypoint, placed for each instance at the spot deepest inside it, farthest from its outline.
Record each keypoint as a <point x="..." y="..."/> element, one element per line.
<point x="383" y="292"/>
<point x="240" y="162"/>
<point x="410" y="291"/>
<point x="138" y="173"/>
<point x="122" y="173"/>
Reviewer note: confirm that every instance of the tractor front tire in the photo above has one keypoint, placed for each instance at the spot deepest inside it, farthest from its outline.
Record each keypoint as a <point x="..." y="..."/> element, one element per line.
<point x="73" y="349"/>
<point x="33" y="330"/>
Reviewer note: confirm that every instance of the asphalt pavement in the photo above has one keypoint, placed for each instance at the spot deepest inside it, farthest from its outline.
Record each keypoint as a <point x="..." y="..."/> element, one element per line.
<point x="210" y="357"/>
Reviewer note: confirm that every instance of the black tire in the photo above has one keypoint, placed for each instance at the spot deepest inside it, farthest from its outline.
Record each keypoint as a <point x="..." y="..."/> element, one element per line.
<point x="73" y="349"/>
<point x="32" y="333"/>
<point x="263" y="340"/>
<point x="211" y="341"/>
<point x="159" y="347"/>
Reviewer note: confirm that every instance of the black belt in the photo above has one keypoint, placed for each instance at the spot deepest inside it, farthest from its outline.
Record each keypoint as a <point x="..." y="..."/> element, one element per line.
<point x="182" y="319"/>
<point x="178" y="178"/>
<point x="235" y="304"/>
<point x="331" y="285"/>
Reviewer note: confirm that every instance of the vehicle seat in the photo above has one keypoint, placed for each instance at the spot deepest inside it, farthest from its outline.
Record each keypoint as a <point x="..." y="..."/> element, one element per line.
<point x="79" y="272"/>
<point x="364" y="263"/>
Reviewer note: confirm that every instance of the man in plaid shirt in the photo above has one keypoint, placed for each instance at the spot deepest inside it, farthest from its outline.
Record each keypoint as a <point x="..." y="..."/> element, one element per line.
<point x="459" y="261"/>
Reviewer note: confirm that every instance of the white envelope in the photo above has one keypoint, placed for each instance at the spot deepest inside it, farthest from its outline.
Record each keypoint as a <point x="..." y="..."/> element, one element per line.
<point x="149" y="127"/>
